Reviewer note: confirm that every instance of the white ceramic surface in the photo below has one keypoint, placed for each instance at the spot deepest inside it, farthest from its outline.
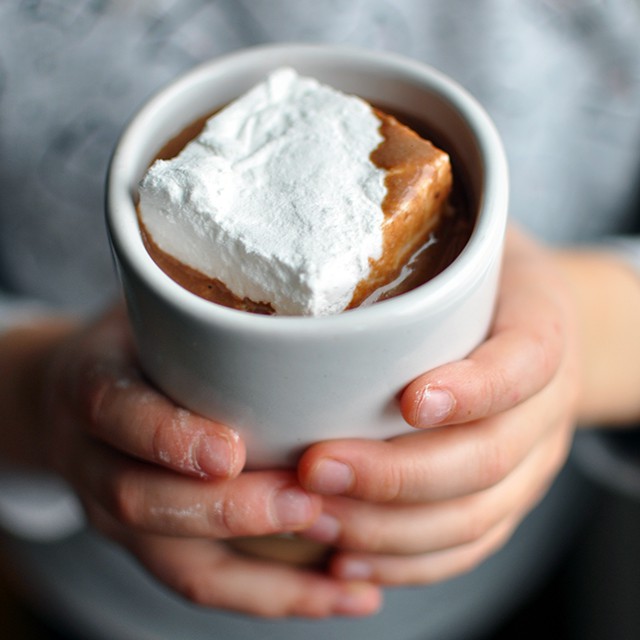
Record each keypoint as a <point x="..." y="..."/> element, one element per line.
<point x="287" y="382"/>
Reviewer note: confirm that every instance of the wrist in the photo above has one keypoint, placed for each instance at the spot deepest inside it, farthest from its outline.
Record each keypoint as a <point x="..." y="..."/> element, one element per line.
<point x="605" y="293"/>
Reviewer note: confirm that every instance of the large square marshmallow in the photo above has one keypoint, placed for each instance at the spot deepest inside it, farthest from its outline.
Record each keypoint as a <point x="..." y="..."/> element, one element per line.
<point x="278" y="197"/>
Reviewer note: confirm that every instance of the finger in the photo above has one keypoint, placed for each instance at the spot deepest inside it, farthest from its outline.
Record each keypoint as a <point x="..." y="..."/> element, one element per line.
<point x="439" y="465"/>
<point x="147" y="498"/>
<point x="121" y="409"/>
<point x="415" y="529"/>
<point x="210" y="574"/>
<point x="519" y="358"/>
<point x="436" y="464"/>
<point x="425" y="568"/>
<point x="267" y="589"/>
<point x="411" y="469"/>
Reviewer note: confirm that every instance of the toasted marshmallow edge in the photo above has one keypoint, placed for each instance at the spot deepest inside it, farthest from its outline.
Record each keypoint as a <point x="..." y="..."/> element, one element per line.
<point x="277" y="197"/>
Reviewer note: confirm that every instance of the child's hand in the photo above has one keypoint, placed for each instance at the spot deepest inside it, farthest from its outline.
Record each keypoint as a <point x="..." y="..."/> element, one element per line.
<point x="493" y="430"/>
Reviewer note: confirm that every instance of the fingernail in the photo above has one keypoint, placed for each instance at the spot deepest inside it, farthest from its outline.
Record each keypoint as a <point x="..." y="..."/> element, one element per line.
<point x="292" y="508"/>
<point x="434" y="406"/>
<point x="330" y="477"/>
<point x="358" y="599"/>
<point x="325" y="529"/>
<point x="213" y="456"/>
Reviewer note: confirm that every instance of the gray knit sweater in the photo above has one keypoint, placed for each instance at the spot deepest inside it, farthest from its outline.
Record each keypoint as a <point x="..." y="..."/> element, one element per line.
<point x="561" y="78"/>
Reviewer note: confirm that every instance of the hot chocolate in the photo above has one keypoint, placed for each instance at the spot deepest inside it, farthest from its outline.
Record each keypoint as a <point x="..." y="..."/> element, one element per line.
<point x="423" y="223"/>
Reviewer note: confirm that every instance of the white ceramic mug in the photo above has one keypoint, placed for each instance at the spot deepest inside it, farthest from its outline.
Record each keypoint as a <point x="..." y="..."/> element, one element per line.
<point x="286" y="382"/>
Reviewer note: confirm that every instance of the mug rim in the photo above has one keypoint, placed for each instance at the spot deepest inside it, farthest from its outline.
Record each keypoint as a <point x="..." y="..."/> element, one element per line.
<point x="437" y="292"/>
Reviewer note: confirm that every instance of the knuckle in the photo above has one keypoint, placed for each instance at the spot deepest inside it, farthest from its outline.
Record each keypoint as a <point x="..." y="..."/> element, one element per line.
<point x="394" y="485"/>
<point x="100" y="384"/>
<point x="495" y="463"/>
<point x="478" y="524"/>
<point x="362" y="538"/>
<point x="230" y="518"/>
<point x="494" y="389"/>
<point x="221" y="519"/>
<point x="546" y="352"/>
<point x="125" y="499"/>
<point x="196" y="589"/>
<point x="170" y="442"/>
<point x="160" y="449"/>
<point x="476" y="553"/>
<point x="94" y="386"/>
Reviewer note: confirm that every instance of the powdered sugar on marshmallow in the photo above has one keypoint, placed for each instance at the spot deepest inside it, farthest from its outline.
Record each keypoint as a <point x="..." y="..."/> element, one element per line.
<point x="277" y="197"/>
